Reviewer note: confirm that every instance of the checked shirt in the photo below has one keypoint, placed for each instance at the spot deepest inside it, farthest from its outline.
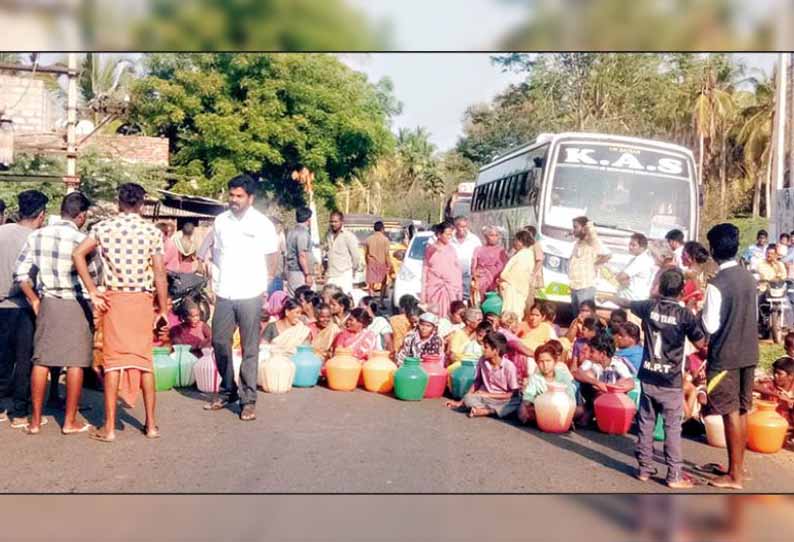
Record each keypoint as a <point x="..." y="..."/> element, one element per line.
<point x="46" y="261"/>
<point x="127" y="243"/>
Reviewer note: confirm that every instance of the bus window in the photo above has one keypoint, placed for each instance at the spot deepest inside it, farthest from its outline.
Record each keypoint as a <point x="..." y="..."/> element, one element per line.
<point x="514" y="196"/>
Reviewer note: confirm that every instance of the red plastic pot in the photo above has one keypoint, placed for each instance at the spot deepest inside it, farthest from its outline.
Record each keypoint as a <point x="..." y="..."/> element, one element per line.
<point x="614" y="411"/>
<point x="437" y="376"/>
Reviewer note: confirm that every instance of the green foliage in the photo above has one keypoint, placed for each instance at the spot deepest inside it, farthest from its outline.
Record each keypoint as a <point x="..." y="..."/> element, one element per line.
<point x="250" y="25"/>
<point x="263" y="114"/>
<point x="768" y="353"/>
<point x="100" y="177"/>
<point x="643" y="25"/>
<point x="748" y="229"/>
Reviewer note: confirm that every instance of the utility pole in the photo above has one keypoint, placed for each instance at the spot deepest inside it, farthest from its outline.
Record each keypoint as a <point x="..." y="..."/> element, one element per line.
<point x="71" y="179"/>
<point x="779" y="141"/>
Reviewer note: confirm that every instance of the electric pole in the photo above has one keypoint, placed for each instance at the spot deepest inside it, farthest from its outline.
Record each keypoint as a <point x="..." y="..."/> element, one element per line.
<point x="71" y="179"/>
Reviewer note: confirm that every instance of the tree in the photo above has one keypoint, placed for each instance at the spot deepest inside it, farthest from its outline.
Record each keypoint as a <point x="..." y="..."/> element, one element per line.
<point x="289" y="25"/>
<point x="263" y="114"/>
<point x="105" y="74"/>
<point x="756" y="135"/>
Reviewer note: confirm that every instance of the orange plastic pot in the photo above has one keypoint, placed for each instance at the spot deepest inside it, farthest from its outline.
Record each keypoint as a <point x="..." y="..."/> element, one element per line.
<point x="766" y="429"/>
<point x="379" y="373"/>
<point x="343" y="370"/>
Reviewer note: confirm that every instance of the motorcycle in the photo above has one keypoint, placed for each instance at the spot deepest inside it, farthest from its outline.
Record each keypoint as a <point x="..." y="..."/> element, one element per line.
<point x="192" y="286"/>
<point x="771" y="309"/>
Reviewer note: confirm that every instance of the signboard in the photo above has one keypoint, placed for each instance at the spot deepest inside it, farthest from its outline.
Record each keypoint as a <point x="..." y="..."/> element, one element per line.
<point x="784" y="212"/>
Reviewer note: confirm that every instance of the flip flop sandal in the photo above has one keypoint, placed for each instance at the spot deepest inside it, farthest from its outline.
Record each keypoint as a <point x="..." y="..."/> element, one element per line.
<point x="83" y="429"/>
<point x="96" y="435"/>
<point x="220" y="404"/>
<point x="30" y="431"/>
<point x="154" y="434"/>
<point x="44" y="421"/>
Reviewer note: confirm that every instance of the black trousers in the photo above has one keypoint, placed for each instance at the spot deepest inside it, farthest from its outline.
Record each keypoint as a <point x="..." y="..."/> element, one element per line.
<point x="230" y="314"/>
<point x="16" y="352"/>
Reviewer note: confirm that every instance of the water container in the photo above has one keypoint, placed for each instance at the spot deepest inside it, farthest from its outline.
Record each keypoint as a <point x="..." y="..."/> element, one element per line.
<point x="554" y="409"/>
<point x="276" y="374"/>
<point x="165" y="369"/>
<point x="437" y="377"/>
<point x="463" y="378"/>
<point x="766" y="429"/>
<point x="343" y="370"/>
<point x="492" y="304"/>
<point x="379" y="372"/>
<point x="307" y="367"/>
<point x="410" y="381"/>
<point x="208" y="379"/>
<point x="185" y="361"/>
<point x="614" y="411"/>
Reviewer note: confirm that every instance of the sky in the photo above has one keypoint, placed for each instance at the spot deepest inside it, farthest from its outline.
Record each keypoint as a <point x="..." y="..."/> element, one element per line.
<point x="436" y="88"/>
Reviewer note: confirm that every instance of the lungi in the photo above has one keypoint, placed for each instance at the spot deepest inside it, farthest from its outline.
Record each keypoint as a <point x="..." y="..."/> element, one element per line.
<point x="64" y="333"/>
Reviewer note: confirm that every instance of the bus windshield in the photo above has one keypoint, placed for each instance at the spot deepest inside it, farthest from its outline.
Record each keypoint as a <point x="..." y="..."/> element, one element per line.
<point x="623" y="189"/>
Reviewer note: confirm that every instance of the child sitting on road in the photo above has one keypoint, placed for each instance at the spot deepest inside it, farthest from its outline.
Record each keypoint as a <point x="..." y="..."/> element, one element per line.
<point x="600" y="368"/>
<point x="589" y="328"/>
<point x="191" y="330"/>
<point x="548" y="371"/>
<point x="627" y="340"/>
<point x="495" y="388"/>
<point x="695" y="396"/>
<point x="780" y="387"/>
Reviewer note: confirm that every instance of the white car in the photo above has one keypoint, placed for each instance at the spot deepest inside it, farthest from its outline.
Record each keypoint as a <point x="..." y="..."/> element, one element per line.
<point x="409" y="279"/>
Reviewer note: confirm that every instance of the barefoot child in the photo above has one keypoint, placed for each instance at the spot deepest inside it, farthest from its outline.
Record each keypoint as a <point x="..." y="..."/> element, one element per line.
<point x="548" y="371"/>
<point x="667" y="325"/>
<point x="495" y="389"/>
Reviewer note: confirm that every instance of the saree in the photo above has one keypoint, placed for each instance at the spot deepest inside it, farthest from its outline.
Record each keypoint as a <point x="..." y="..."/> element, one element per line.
<point x="442" y="278"/>
<point x="532" y="338"/>
<point x="487" y="264"/>
<point x="287" y="341"/>
<point x="361" y="343"/>
<point x="462" y="345"/>
<point x="400" y="326"/>
<point x="322" y="339"/>
<point x="516" y="281"/>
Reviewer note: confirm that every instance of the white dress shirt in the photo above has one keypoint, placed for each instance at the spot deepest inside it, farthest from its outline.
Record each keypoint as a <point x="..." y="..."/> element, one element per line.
<point x="713" y="305"/>
<point x="465" y="250"/>
<point x="238" y="254"/>
<point x="641" y="270"/>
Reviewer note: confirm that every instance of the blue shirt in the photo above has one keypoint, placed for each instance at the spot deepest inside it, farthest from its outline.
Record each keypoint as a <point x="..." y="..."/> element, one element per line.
<point x="633" y="354"/>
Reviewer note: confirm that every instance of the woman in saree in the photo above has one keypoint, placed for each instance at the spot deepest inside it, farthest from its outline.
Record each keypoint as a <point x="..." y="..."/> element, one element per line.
<point x="516" y="277"/>
<point x="487" y="263"/>
<point x="288" y="332"/>
<point x="356" y="337"/>
<point x="442" y="277"/>
<point x="463" y="341"/>
<point x="323" y="332"/>
<point x="423" y="341"/>
<point x="535" y="331"/>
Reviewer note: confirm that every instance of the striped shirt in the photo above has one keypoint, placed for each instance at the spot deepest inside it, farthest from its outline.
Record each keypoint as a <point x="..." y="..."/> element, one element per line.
<point x="127" y="244"/>
<point x="46" y="262"/>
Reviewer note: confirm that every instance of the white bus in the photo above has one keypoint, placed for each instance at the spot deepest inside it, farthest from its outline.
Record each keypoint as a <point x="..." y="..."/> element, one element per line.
<point x="622" y="184"/>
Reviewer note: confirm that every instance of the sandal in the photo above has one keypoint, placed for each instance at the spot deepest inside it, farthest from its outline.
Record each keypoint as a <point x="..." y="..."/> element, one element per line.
<point x="248" y="414"/>
<point x="151" y="433"/>
<point x="685" y="482"/>
<point x="86" y="427"/>
<point x="31" y="431"/>
<point x="216" y="404"/>
<point x="100" y="436"/>
<point x="719" y="470"/>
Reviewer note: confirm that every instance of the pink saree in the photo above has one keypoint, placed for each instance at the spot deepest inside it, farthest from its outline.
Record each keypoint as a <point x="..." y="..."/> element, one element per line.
<point x="486" y="266"/>
<point x="442" y="278"/>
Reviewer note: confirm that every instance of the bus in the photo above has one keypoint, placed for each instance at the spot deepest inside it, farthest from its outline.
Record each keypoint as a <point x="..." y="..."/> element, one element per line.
<point x="459" y="203"/>
<point x="622" y="184"/>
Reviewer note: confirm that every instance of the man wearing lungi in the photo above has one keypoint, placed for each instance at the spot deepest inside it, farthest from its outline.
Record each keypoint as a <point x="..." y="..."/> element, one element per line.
<point x="64" y="320"/>
<point x="131" y="251"/>
<point x="378" y="259"/>
<point x="245" y="247"/>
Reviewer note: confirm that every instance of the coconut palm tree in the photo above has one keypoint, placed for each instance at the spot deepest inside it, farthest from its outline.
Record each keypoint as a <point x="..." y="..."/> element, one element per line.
<point x="756" y="135"/>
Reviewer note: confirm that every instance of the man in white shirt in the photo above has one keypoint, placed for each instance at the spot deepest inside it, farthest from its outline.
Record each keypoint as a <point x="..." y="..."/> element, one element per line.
<point x="465" y="243"/>
<point x="636" y="278"/>
<point x="675" y="240"/>
<point x="245" y="246"/>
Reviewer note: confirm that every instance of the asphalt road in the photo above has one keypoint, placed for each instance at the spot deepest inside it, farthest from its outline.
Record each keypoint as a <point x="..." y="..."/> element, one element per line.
<point x="320" y="441"/>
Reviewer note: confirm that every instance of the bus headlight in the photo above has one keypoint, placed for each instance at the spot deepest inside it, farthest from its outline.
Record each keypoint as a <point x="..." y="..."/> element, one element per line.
<point x="555" y="263"/>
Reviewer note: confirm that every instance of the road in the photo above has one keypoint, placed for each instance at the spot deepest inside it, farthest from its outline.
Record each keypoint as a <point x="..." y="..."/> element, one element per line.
<point x="320" y="441"/>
